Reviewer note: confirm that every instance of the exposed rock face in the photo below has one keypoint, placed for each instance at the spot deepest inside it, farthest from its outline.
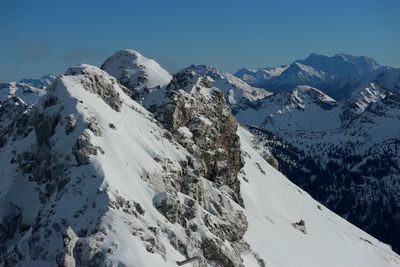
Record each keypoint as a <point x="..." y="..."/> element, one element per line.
<point x="83" y="149"/>
<point x="46" y="169"/>
<point x="14" y="120"/>
<point x="168" y="205"/>
<point x="197" y="116"/>
<point x="185" y="200"/>
<point x="67" y="259"/>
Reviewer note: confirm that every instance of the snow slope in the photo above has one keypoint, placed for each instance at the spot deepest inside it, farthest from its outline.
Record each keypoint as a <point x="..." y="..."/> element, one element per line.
<point x="274" y="204"/>
<point x="96" y="180"/>
<point x="344" y="153"/>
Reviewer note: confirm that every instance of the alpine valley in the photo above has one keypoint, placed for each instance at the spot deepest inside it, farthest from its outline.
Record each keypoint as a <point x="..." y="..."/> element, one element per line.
<point x="129" y="165"/>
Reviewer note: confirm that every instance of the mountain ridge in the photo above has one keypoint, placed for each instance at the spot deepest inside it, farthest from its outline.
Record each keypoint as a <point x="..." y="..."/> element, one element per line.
<point x="337" y="75"/>
<point x="102" y="179"/>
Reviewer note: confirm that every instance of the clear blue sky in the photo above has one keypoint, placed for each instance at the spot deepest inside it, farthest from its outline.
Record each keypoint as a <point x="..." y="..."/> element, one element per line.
<point x="48" y="36"/>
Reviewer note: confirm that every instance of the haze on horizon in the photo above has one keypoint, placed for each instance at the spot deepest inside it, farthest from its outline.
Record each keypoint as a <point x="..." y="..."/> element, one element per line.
<point x="41" y="37"/>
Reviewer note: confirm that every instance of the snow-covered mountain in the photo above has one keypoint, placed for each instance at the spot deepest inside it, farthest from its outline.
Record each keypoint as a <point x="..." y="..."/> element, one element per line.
<point x="389" y="79"/>
<point x="28" y="90"/>
<point x="336" y="76"/>
<point x="259" y="76"/>
<point x="341" y="65"/>
<point x="343" y="153"/>
<point x="136" y="72"/>
<point x="236" y="92"/>
<point x="305" y="99"/>
<point x="91" y="178"/>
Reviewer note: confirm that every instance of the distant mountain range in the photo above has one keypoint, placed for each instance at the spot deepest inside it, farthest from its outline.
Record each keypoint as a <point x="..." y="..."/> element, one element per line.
<point x="338" y="76"/>
<point x="129" y="165"/>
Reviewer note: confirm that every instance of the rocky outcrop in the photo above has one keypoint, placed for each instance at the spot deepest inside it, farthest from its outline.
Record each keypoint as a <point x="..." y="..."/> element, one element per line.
<point x="198" y="209"/>
<point x="197" y="116"/>
<point x="99" y="83"/>
<point x="15" y="116"/>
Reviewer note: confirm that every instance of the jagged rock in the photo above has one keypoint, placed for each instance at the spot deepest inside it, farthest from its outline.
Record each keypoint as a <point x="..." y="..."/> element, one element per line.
<point x="154" y="244"/>
<point x="90" y="252"/>
<point x="83" y="149"/>
<point x="214" y="251"/>
<point x="237" y="226"/>
<point x="95" y="81"/>
<point x="93" y="126"/>
<point x="168" y="205"/>
<point x="71" y="123"/>
<point x="66" y="258"/>
<point x="15" y="118"/>
<point x="203" y="124"/>
<point x="44" y="127"/>
<point x="49" y="101"/>
<point x="301" y="226"/>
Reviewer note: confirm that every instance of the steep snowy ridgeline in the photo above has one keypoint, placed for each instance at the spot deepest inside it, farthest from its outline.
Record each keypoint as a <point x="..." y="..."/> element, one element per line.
<point x="28" y="90"/>
<point x="303" y="108"/>
<point x="235" y="90"/>
<point x="136" y="72"/>
<point x="276" y="210"/>
<point x="363" y="97"/>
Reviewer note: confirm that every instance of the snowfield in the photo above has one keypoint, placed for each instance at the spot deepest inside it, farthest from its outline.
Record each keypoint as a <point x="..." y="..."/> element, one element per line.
<point x="273" y="204"/>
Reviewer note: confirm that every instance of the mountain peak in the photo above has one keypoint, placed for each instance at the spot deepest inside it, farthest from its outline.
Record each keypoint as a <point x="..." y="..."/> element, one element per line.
<point x="135" y="71"/>
<point x="341" y="65"/>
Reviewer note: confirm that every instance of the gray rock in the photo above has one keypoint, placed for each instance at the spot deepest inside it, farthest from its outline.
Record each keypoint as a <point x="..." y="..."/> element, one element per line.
<point x="66" y="258"/>
<point x="71" y="123"/>
<point x="168" y="205"/>
<point x="214" y="251"/>
<point x="83" y="149"/>
<point x="214" y="140"/>
<point x="95" y="83"/>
